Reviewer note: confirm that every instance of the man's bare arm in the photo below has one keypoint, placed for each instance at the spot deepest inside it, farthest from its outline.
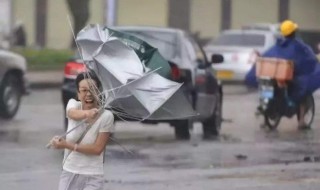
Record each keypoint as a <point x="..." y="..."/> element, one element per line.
<point x="77" y="114"/>
<point x="93" y="149"/>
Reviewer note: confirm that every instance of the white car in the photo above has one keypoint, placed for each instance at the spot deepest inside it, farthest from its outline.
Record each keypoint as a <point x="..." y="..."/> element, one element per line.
<point x="13" y="82"/>
<point x="239" y="48"/>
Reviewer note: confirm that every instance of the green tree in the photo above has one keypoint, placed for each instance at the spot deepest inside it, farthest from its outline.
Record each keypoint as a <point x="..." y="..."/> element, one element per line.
<point x="80" y="13"/>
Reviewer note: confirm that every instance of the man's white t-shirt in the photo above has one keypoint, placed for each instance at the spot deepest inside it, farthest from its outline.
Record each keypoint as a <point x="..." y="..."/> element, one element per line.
<point x="80" y="163"/>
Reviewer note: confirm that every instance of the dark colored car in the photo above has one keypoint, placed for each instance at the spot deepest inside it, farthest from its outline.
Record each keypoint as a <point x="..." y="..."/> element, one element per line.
<point x="189" y="65"/>
<point x="13" y="83"/>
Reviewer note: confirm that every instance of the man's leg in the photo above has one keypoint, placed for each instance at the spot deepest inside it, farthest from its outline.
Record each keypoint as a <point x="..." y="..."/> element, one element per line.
<point x="302" y="112"/>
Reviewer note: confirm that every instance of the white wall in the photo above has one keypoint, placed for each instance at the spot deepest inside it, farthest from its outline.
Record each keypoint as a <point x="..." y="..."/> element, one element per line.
<point x="306" y="13"/>
<point x="253" y="11"/>
<point x="143" y="12"/>
<point x="205" y="17"/>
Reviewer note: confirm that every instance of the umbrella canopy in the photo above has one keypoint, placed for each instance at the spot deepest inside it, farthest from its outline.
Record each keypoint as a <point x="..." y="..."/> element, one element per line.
<point x="133" y="74"/>
<point x="92" y="37"/>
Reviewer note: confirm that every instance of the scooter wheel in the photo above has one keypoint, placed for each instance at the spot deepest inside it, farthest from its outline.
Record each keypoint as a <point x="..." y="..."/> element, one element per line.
<point x="272" y="121"/>
<point x="310" y="111"/>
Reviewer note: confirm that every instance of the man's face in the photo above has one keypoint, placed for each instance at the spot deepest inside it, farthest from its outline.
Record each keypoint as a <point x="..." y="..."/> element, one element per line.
<point x="85" y="94"/>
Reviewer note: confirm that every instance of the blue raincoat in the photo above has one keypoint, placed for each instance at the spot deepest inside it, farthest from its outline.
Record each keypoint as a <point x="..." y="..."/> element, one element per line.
<point x="307" y="70"/>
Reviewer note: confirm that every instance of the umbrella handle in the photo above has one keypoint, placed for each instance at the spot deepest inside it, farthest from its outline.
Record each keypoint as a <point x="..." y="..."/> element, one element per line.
<point x="65" y="134"/>
<point x="48" y="145"/>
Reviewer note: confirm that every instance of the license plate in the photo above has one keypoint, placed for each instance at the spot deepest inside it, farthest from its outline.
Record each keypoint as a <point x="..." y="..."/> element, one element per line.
<point x="225" y="74"/>
<point x="267" y="93"/>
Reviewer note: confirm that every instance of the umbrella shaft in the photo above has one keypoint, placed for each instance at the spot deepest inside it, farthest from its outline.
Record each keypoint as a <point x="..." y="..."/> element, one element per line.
<point x="77" y="126"/>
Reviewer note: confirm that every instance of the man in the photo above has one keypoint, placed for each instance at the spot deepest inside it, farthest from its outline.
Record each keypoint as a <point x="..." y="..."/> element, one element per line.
<point x="84" y="147"/>
<point x="290" y="47"/>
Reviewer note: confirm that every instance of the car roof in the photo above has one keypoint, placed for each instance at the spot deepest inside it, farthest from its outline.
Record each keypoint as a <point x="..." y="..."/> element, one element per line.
<point x="274" y="27"/>
<point x="262" y="32"/>
<point x="148" y="28"/>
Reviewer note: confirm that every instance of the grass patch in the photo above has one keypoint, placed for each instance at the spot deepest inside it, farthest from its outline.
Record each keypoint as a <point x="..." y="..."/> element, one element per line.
<point x="45" y="59"/>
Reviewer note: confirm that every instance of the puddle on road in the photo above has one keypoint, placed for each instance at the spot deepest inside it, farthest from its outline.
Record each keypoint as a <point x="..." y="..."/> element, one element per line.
<point x="294" y="149"/>
<point x="240" y="175"/>
<point x="125" y="155"/>
<point x="228" y="138"/>
<point x="249" y="163"/>
<point x="294" y="161"/>
<point x="145" y="140"/>
<point x="9" y="136"/>
<point x="142" y="182"/>
<point x="223" y="138"/>
<point x="179" y="165"/>
<point x="290" y="135"/>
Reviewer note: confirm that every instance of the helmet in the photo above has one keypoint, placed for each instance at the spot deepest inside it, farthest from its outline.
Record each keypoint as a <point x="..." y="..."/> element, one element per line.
<point x="288" y="27"/>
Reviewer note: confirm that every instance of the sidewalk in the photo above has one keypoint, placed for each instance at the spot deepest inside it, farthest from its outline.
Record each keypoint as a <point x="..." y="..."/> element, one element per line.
<point x="45" y="79"/>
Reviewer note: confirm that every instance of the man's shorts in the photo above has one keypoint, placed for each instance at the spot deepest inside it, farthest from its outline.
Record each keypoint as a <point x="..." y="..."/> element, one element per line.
<point x="71" y="181"/>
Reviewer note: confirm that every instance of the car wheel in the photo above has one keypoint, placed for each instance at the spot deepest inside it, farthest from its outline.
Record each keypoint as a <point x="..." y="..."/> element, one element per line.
<point x="212" y="125"/>
<point x="10" y="96"/>
<point x="181" y="129"/>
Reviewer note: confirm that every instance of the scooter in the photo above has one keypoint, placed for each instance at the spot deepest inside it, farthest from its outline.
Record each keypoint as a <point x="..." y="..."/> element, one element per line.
<point x="274" y="77"/>
<point x="274" y="103"/>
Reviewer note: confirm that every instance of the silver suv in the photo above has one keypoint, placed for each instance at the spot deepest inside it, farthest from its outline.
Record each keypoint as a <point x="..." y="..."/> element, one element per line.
<point x="13" y="83"/>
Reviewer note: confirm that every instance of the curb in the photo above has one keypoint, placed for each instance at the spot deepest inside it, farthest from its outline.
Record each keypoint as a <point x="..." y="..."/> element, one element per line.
<point x="44" y="79"/>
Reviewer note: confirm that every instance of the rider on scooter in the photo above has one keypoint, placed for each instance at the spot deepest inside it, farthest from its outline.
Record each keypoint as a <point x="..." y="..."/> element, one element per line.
<point x="290" y="47"/>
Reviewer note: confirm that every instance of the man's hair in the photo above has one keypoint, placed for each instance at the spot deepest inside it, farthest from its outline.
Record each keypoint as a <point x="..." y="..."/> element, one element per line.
<point x="87" y="75"/>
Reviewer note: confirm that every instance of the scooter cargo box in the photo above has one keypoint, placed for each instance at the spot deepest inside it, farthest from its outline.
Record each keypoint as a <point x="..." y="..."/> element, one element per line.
<point x="273" y="68"/>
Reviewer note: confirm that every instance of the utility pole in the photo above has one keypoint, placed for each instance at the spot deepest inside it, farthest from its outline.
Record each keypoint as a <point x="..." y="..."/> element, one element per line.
<point x="179" y="14"/>
<point x="283" y="11"/>
<point x="41" y="22"/>
<point x="110" y="12"/>
<point x="226" y="14"/>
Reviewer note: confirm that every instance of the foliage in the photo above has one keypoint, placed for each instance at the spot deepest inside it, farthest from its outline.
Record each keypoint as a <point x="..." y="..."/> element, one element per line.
<point x="45" y="59"/>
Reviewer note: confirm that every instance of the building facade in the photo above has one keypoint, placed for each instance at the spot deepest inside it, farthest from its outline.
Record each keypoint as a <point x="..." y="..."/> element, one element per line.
<point x="206" y="17"/>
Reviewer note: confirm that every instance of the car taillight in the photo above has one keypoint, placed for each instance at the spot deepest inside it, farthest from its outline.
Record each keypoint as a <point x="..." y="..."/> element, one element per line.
<point x="253" y="57"/>
<point x="72" y="69"/>
<point x="175" y="72"/>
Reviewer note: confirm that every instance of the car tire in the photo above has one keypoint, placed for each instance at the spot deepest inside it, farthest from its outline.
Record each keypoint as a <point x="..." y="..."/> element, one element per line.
<point x="181" y="129"/>
<point x="212" y="125"/>
<point x="10" y="96"/>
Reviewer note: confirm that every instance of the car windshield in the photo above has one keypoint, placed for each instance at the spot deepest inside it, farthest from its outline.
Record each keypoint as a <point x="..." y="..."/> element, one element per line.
<point x="165" y="42"/>
<point x="242" y="39"/>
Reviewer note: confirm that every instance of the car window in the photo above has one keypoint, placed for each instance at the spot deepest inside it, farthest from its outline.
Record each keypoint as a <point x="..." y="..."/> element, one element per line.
<point x="167" y="43"/>
<point x="243" y="39"/>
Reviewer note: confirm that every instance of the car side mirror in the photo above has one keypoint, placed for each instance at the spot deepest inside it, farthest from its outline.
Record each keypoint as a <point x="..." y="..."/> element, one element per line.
<point x="216" y="58"/>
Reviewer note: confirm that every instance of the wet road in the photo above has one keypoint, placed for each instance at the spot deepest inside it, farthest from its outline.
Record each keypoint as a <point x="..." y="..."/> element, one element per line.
<point x="244" y="157"/>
